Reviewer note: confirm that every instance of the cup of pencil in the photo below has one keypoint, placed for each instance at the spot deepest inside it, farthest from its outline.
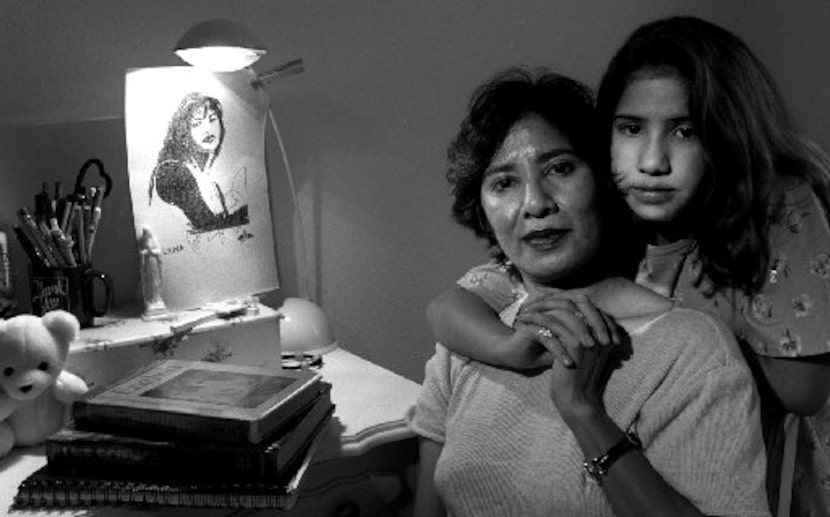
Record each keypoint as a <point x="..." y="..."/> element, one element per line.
<point x="81" y="290"/>
<point x="58" y="240"/>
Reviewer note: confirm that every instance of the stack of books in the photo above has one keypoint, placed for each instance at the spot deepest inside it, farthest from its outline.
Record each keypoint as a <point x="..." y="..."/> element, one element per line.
<point x="186" y="433"/>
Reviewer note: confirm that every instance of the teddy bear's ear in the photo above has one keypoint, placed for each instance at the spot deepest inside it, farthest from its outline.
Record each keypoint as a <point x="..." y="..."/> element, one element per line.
<point x="63" y="325"/>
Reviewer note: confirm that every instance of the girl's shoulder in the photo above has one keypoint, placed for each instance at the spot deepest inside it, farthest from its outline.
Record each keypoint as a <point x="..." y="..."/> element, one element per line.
<point x="797" y="216"/>
<point x="790" y="194"/>
<point x="628" y="302"/>
<point x="787" y="317"/>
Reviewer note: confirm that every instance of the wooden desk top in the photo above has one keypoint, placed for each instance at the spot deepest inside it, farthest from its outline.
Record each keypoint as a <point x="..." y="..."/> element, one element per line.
<point x="371" y="402"/>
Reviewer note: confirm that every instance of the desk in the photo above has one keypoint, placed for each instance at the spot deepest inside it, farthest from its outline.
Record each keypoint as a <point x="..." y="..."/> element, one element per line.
<point x="365" y="465"/>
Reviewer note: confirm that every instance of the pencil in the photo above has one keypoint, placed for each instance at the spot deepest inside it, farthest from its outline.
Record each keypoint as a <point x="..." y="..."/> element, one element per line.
<point x="33" y="233"/>
<point x="35" y="257"/>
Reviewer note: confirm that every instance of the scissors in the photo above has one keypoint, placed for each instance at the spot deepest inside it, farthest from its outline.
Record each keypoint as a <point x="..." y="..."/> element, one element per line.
<point x="80" y="190"/>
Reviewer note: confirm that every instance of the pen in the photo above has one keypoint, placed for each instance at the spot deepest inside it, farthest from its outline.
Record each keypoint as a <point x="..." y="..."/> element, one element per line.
<point x="58" y="196"/>
<point x="87" y="220"/>
<point x="80" y="233"/>
<point x="43" y="204"/>
<point x="93" y="229"/>
<point x="69" y="218"/>
<point x="225" y="311"/>
<point x="97" y="197"/>
<point x="62" y="213"/>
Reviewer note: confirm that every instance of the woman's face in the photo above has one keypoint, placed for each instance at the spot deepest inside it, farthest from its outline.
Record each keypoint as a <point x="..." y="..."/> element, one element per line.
<point x="540" y="199"/>
<point x="206" y="129"/>
<point x="656" y="156"/>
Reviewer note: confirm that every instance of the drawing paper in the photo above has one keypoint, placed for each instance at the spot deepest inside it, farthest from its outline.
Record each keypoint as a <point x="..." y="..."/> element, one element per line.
<point x="195" y="147"/>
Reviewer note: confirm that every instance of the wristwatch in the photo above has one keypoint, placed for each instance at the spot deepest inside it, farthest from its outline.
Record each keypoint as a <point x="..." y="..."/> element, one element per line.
<point x="598" y="467"/>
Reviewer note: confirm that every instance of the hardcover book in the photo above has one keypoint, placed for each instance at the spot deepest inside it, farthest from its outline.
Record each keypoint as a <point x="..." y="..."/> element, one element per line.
<point x="73" y="450"/>
<point x="50" y="487"/>
<point x="173" y="399"/>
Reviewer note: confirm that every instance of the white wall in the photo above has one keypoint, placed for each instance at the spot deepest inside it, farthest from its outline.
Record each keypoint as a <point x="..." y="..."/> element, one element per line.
<point x="366" y="126"/>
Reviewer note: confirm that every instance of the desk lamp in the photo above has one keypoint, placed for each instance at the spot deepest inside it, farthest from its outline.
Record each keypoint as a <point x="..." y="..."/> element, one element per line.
<point x="225" y="46"/>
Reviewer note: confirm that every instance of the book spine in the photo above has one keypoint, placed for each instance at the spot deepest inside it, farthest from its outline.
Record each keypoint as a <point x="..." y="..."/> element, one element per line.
<point x="46" y="488"/>
<point x="68" y="450"/>
<point x="157" y="424"/>
<point x="167" y="425"/>
<point x="285" y="412"/>
<point x="70" y="494"/>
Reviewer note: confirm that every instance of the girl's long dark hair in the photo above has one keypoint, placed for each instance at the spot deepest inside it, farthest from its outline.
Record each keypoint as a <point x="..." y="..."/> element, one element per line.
<point x="751" y="148"/>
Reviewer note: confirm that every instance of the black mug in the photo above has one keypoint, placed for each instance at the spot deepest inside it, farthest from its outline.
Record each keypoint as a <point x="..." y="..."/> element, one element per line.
<point x="72" y="289"/>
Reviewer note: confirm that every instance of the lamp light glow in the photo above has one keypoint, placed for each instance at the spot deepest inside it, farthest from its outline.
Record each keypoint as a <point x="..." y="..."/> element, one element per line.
<point x="219" y="46"/>
<point x="224" y="46"/>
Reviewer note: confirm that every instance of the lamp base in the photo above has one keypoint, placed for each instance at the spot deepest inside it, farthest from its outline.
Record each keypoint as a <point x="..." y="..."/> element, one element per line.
<point x="304" y="327"/>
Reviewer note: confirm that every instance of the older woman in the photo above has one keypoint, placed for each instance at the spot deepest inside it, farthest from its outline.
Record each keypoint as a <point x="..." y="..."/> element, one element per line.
<point x="666" y="424"/>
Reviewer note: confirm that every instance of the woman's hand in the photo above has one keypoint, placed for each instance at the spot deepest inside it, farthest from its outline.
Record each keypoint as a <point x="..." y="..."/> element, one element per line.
<point x="577" y="391"/>
<point x="561" y="322"/>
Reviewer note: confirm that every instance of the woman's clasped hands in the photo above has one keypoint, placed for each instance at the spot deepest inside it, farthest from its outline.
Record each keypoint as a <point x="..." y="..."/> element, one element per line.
<point x="558" y="327"/>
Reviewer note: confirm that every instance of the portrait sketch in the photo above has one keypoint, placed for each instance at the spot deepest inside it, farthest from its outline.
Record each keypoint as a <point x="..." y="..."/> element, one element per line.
<point x="184" y="175"/>
<point x="195" y="145"/>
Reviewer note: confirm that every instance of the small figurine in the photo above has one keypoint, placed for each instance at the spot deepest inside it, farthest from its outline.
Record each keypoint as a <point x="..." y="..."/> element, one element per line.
<point x="151" y="275"/>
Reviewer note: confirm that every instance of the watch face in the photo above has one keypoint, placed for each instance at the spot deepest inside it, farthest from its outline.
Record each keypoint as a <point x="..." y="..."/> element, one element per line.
<point x="598" y="467"/>
<point x="593" y="469"/>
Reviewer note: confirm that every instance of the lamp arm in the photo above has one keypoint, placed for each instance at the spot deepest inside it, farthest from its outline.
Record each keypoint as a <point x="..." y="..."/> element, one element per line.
<point x="305" y="284"/>
<point x="290" y="68"/>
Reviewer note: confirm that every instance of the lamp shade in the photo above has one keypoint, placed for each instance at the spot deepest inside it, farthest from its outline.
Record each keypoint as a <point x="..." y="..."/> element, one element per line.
<point x="220" y="46"/>
<point x="304" y="327"/>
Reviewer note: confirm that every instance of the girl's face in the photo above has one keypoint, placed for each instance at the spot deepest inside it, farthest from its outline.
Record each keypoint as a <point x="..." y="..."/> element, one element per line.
<point x="656" y="156"/>
<point x="206" y="129"/>
<point x="540" y="199"/>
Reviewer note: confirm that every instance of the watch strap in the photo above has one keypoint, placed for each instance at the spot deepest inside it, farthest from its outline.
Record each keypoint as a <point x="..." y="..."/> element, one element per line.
<point x="598" y="467"/>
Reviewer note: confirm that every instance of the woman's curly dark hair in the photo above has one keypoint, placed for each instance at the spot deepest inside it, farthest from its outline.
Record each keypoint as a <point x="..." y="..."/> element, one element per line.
<point x="493" y="109"/>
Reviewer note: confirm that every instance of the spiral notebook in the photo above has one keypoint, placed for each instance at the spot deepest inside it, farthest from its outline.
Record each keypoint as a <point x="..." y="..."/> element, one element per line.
<point x="49" y="487"/>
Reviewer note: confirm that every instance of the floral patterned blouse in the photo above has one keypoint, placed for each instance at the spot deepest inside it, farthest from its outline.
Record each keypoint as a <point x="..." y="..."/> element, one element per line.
<point x="790" y="317"/>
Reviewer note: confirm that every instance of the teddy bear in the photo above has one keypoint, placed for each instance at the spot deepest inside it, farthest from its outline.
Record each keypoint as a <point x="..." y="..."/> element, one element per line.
<point x="36" y="390"/>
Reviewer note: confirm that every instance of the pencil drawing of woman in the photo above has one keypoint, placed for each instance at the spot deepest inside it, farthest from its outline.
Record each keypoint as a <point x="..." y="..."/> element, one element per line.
<point x="184" y="176"/>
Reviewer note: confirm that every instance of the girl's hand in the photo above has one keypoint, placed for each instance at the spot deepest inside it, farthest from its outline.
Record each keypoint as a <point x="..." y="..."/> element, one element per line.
<point x="561" y="322"/>
<point x="524" y="351"/>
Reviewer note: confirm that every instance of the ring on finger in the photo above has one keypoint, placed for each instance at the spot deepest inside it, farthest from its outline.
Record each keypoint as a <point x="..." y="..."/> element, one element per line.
<point x="545" y="332"/>
<point x="581" y="317"/>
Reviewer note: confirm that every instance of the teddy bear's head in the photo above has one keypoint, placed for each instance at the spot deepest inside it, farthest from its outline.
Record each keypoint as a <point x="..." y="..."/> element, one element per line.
<point x="33" y="352"/>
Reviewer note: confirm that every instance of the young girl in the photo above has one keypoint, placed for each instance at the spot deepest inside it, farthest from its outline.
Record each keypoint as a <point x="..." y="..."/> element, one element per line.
<point x="730" y="206"/>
